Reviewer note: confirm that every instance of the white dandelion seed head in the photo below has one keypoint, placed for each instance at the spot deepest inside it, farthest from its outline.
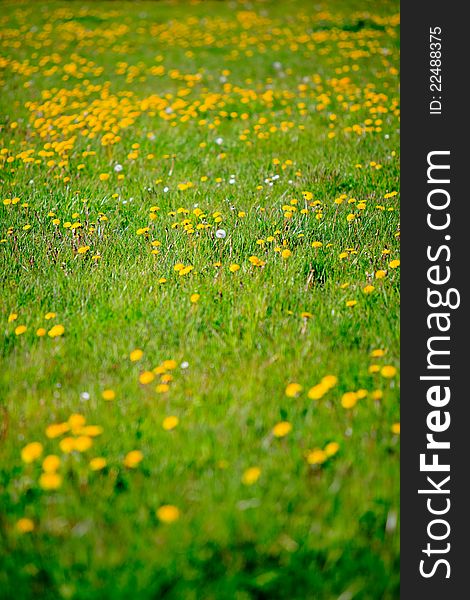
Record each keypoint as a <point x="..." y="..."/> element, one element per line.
<point x="220" y="233"/>
<point x="219" y="141"/>
<point x="118" y="168"/>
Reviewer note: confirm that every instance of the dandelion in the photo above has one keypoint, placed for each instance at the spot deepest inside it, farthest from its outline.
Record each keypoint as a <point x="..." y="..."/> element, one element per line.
<point x="146" y="377"/>
<point x="25" y="525"/>
<point x="12" y="317"/>
<point x="41" y="332"/>
<point x="380" y="274"/>
<point x="349" y="400"/>
<point x="136" y="355"/>
<point x="388" y="371"/>
<point x="194" y="298"/>
<point x="133" y="458"/>
<point x="286" y="253"/>
<point x="98" y="463"/>
<point x="50" y="481"/>
<point x="20" y="329"/>
<point x="220" y="234"/>
<point x="317" y="391"/>
<point x="395" y="428"/>
<point x="233" y="268"/>
<point x="51" y="463"/>
<point x="251" y="475"/>
<point x="162" y="388"/>
<point x="56" y="331"/>
<point x="394" y="264"/>
<point x="317" y="244"/>
<point x="368" y="289"/>
<point x="67" y="445"/>
<point x="281" y="429"/>
<point x="351" y="303"/>
<point x="170" y="423"/>
<point x="317" y="456"/>
<point x="31" y="452"/>
<point x="108" y="394"/>
<point x="83" y="249"/>
<point x="293" y="390"/>
<point x="83" y="443"/>
<point x="168" y="513"/>
<point x="331" y="449"/>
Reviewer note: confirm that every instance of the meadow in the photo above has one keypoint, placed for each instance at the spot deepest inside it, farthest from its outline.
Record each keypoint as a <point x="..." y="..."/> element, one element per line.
<point x="199" y="256"/>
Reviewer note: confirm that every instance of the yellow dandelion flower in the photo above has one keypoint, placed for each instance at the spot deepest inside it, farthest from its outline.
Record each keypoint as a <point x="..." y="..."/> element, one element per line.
<point x="31" y="452"/>
<point x="374" y="369"/>
<point x="286" y="253"/>
<point x="170" y="365"/>
<point x="56" y="429"/>
<point x="136" y="355"/>
<point x="194" y="298"/>
<point x="329" y="381"/>
<point x="251" y="475"/>
<point x="233" y="268"/>
<point x="170" y="423"/>
<point x="98" y="463"/>
<point x="146" y="377"/>
<point x="83" y="443"/>
<point x="108" y="394"/>
<point x="317" y="391"/>
<point x="83" y="249"/>
<point x="394" y="264"/>
<point x="317" y="456"/>
<point x="349" y="400"/>
<point x="20" y="329"/>
<point x="162" y="388"/>
<point x="377" y="353"/>
<point x="331" y="449"/>
<point x="133" y="458"/>
<point x="50" y="481"/>
<point x="377" y="395"/>
<point x="41" y="332"/>
<point x="368" y="289"/>
<point x="12" y="317"/>
<point x="293" y="390"/>
<point x="56" y="331"/>
<point x="351" y="303"/>
<point x="25" y="525"/>
<point x="380" y="274"/>
<point x="51" y="463"/>
<point x="281" y="429"/>
<point x="168" y="513"/>
<point x="67" y="445"/>
<point x="388" y="371"/>
<point x="396" y="428"/>
<point x="76" y="421"/>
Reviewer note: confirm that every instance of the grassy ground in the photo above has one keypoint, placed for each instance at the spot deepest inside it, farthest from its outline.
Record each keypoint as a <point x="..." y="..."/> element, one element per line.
<point x="186" y="414"/>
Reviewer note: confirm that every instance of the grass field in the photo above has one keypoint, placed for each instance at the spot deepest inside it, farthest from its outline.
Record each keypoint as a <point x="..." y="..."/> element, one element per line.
<point x="200" y="308"/>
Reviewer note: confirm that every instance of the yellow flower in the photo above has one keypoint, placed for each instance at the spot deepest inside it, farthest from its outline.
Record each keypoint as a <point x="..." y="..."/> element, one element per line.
<point x="51" y="463"/>
<point x="394" y="264"/>
<point x="50" y="315"/>
<point x="162" y="388"/>
<point x="286" y="253"/>
<point x="25" y="525"/>
<point x="351" y="303"/>
<point x="329" y="381"/>
<point x="317" y="391"/>
<point x="98" y="463"/>
<point x="91" y="430"/>
<point x="349" y="400"/>
<point x="83" y="249"/>
<point x="251" y="475"/>
<point x="317" y="456"/>
<point x="108" y="394"/>
<point x="293" y="390"/>
<point x="396" y="428"/>
<point x="41" y="332"/>
<point x="67" y="445"/>
<point x="146" y="377"/>
<point x="170" y="423"/>
<point x="20" y="329"/>
<point x="76" y="422"/>
<point x="380" y="274"/>
<point x="374" y="368"/>
<point x="388" y="371"/>
<point x="194" y="298"/>
<point x="378" y="353"/>
<point x="281" y="429"/>
<point x="350" y="217"/>
<point x="104" y="176"/>
<point x="170" y="365"/>
<point x="368" y="289"/>
<point x="31" y="452"/>
<point x="50" y="481"/>
<point x="168" y="513"/>
<point x="133" y="458"/>
<point x="136" y="355"/>
<point x="377" y="395"/>
<point x="331" y="449"/>
<point x="56" y="429"/>
<point x="56" y="331"/>
<point x="317" y="244"/>
<point x="233" y="268"/>
<point x="83" y="443"/>
<point x="12" y="317"/>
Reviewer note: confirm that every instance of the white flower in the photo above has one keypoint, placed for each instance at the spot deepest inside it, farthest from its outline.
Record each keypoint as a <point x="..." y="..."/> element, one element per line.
<point x="166" y="189"/>
<point x="184" y="365"/>
<point x="219" y="141"/>
<point x="220" y="233"/>
<point x="118" y="168"/>
<point x="85" y="396"/>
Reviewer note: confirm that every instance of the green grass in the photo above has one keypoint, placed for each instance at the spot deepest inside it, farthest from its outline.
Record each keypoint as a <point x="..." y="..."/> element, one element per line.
<point x="246" y="100"/>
